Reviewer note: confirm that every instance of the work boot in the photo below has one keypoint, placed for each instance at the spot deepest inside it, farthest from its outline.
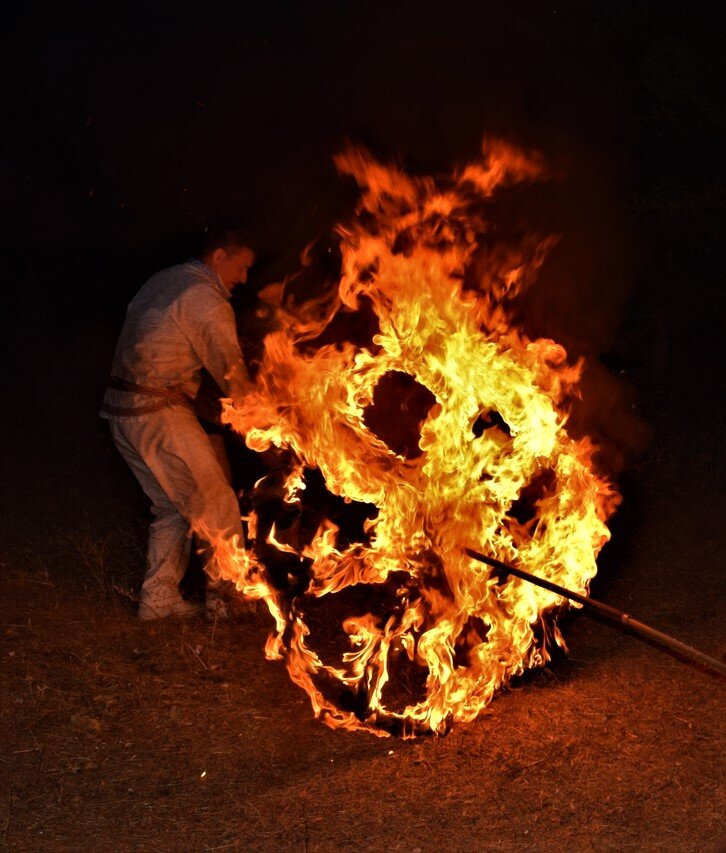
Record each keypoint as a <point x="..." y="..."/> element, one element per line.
<point x="162" y="602"/>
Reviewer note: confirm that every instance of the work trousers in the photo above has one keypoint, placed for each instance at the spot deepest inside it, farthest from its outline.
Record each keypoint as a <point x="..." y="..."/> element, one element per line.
<point x="187" y="480"/>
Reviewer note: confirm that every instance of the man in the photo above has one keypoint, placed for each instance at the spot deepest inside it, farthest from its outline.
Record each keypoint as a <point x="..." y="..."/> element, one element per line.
<point x="179" y="324"/>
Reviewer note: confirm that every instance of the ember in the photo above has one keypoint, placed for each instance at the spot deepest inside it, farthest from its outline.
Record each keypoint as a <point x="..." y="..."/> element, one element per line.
<point x="491" y="464"/>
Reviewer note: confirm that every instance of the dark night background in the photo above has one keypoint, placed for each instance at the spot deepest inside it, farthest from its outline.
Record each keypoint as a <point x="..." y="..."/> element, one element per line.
<point x="126" y="126"/>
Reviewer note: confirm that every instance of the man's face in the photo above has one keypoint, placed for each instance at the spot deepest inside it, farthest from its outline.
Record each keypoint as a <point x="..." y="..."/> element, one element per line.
<point x="232" y="264"/>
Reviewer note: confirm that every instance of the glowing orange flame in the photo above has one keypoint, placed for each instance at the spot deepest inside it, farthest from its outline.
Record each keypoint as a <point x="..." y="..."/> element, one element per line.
<point x="494" y="440"/>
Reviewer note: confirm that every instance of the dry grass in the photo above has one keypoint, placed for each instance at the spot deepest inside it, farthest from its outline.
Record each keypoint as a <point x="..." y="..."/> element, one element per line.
<point x="180" y="736"/>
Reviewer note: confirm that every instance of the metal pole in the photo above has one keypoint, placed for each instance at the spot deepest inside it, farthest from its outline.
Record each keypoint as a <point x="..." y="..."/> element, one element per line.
<point x="611" y="613"/>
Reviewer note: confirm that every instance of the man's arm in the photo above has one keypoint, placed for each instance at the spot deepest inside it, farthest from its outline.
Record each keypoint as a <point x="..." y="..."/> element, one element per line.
<point x="213" y="334"/>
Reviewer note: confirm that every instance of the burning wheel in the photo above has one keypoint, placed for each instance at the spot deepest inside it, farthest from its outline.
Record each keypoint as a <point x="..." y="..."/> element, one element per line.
<point x="492" y="465"/>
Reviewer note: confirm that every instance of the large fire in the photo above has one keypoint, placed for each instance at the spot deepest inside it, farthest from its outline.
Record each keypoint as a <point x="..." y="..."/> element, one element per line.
<point x="494" y="467"/>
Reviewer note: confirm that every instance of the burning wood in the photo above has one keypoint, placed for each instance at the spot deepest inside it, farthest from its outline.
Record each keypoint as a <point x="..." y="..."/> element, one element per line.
<point x="493" y="463"/>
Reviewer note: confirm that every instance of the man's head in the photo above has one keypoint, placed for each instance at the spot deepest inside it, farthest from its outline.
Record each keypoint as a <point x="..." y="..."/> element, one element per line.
<point x="227" y="249"/>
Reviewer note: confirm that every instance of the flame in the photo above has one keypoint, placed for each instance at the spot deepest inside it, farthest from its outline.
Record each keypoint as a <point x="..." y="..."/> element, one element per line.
<point x="422" y="255"/>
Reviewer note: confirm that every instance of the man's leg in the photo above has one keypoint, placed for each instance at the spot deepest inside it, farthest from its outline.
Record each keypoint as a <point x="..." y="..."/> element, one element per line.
<point x="169" y="544"/>
<point x="215" y="592"/>
<point x="177" y="452"/>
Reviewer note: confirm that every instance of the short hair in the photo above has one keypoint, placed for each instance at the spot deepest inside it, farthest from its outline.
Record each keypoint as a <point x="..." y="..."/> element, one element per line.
<point x="225" y="234"/>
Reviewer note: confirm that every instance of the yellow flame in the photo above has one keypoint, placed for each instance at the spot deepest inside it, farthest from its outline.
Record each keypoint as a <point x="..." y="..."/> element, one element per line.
<point x="415" y="253"/>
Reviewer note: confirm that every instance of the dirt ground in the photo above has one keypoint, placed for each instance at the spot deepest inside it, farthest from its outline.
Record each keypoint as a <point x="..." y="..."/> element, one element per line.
<point x="180" y="736"/>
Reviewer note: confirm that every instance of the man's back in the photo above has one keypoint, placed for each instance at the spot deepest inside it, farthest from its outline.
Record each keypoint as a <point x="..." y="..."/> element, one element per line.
<point x="178" y="323"/>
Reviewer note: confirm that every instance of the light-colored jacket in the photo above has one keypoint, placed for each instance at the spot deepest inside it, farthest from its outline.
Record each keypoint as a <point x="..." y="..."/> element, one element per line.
<point x="180" y="322"/>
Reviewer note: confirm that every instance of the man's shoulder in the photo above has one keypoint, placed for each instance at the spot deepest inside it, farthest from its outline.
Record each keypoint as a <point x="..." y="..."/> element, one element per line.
<point x="196" y="295"/>
<point x="185" y="275"/>
<point x="182" y="282"/>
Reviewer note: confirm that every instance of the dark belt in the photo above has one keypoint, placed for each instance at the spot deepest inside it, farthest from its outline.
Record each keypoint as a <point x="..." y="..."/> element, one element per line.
<point x="161" y="398"/>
